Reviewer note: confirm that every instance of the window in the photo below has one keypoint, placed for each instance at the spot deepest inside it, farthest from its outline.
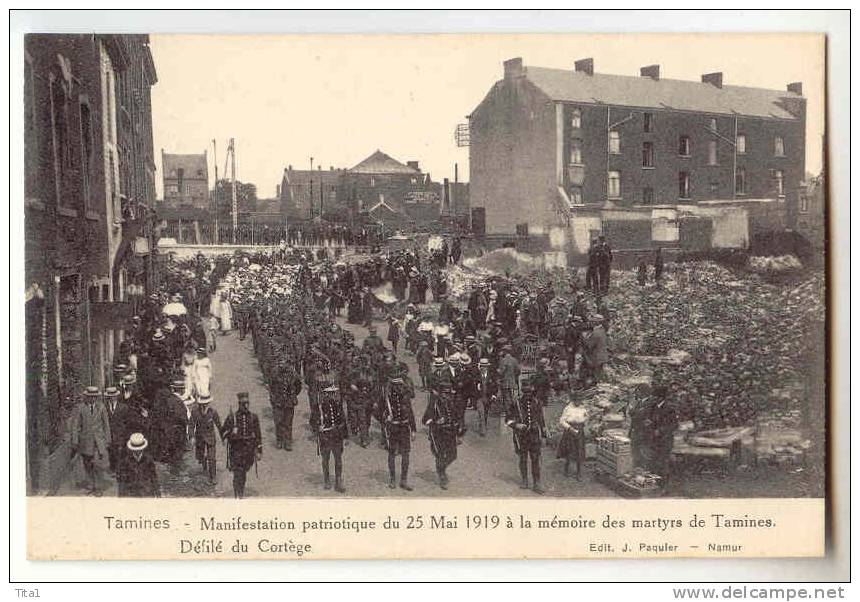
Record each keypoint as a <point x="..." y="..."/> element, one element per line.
<point x="576" y="119"/>
<point x="31" y="154"/>
<point x="740" y="180"/>
<point x="778" y="147"/>
<point x="62" y="143"/>
<point x="576" y="195"/>
<point x="614" y="185"/>
<point x="684" y="185"/>
<point x="172" y="190"/>
<point x="779" y="182"/>
<point x="413" y="180"/>
<point x="713" y="125"/>
<point x="684" y="146"/>
<point x="372" y="181"/>
<point x="741" y="144"/>
<point x="714" y="187"/>
<point x="804" y="204"/>
<point x="648" y="196"/>
<point x="647" y="154"/>
<point x="712" y="152"/>
<point x="615" y="143"/>
<point x="646" y="123"/>
<point x="86" y="151"/>
<point x="576" y="151"/>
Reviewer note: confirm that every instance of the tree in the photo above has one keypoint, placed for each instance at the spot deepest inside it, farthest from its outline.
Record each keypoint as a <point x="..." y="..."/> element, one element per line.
<point x="246" y="197"/>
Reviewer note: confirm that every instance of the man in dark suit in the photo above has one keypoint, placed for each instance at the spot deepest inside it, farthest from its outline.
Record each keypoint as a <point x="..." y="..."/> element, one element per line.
<point x="136" y="476"/>
<point x="241" y="430"/>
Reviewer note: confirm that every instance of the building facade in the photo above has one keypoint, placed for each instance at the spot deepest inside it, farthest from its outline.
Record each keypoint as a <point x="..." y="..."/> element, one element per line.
<point x="186" y="180"/>
<point x="546" y="144"/>
<point x="86" y="217"/>
<point x="308" y="193"/>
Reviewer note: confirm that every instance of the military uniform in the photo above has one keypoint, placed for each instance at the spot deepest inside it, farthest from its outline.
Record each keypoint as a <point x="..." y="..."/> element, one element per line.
<point x="525" y="417"/>
<point x="284" y="388"/>
<point x="242" y="432"/>
<point x="329" y="423"/>
<point x="441" y="418"/>
<point x="399" y="425"/>
<point x="206" y="424"/>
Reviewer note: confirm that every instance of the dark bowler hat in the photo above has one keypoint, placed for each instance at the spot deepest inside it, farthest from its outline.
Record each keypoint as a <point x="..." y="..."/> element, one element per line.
<point x="242" y="396"/>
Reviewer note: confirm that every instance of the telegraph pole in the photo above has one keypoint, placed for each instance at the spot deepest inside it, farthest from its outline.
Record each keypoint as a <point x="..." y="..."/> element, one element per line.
<point x="233" y="177"/>
<point x="215" y="190"/>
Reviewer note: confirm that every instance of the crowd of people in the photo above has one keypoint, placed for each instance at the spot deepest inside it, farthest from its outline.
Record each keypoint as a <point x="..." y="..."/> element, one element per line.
<point x="499" y="354"/>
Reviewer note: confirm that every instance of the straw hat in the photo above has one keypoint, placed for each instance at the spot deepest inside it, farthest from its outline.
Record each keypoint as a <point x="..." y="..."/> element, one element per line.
<point x="111" y="392"/>
<point x="137" y="442"/>
<point x="92" y="392"/>
<point x="204" y="399"/>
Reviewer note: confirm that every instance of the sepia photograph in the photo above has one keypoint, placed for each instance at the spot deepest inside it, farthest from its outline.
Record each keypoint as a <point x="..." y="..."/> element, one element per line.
<point x="357" y="270"/>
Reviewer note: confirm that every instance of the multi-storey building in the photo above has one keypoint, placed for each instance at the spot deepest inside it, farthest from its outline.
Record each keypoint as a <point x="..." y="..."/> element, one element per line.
<point x="186" y="180"/>
<point x="85" y="219"/>
<point x="308" y="193"/>
<point x="548" y="144"/>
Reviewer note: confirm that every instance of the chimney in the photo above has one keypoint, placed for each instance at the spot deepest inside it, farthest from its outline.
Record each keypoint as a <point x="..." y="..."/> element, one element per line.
<point x="513" y="68"/>
<point x="278" y="190"/>
<point x="289" y="168"/>
<point x="796" y="87"/>
<point x="455" y="173"/>
<point x="584" y="66"/>
<point x="652" y="71"/>
<point x="331" y="167"/>
<point x="413" y="165"/>
<point x="715" y="79"/>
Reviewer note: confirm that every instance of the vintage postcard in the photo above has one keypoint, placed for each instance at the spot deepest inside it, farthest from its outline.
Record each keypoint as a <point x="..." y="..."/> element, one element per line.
<point x="424" y="296"/>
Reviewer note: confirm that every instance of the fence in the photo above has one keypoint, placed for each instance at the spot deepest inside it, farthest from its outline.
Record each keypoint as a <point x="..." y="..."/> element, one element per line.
<point x="204" y="233"/>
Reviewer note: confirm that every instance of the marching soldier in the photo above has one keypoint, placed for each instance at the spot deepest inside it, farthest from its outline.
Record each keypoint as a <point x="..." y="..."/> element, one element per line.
<point x="329" y="423"/>
<point x="441" y="418"/>
<point x="399" y="427"/>
<point x="525" y="417"/>
<point x="245" y="443"/>
<point x="284" y="388"/>
<point x="205" y="425"/>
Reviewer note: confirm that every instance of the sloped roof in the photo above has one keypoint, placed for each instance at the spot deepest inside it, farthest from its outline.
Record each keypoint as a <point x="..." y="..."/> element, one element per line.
<point x="190" y="164"/>
<point x="380" y="163"/>
<point x="576" y="86"/>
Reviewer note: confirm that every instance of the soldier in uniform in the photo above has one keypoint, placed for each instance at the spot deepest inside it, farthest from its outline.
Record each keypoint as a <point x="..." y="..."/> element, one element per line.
<point x="205" y="425"/>
<point x="329" y="423"/>
<point x="441" y="418"/>
<point x="284" y="388"/>
<point x="525" y="417"/>
<point x="241" y="430"/>
<point x="399" y="427"/>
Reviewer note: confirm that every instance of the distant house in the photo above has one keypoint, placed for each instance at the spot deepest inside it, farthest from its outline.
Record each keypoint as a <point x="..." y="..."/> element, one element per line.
<point x="305" y="193"/>
<point x="186" y="180"/>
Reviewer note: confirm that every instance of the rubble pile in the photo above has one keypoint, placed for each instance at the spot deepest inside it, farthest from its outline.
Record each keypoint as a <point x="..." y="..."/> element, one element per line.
<point x="463" y="280"/>
<point x="771" y="266"/>
<point x="504" y="261"/>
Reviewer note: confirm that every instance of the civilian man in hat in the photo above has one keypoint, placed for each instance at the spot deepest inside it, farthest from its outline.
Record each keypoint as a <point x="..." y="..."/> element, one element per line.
<point x="424" y="358"/>
<point x="205" y="424"/>
<point x="136" y="476"/>
<point x="525" y="417"/>
<point x="399" y="427"/>
<point x="509" y="375"/>
<point x="90" y="434"/>
<point x="594" y="354"/>
<point x="118" y="418"/>
<point x="241" y="430"/>
<point x="175" y="418"/>
<point x="486" y="391"/>
<point x="285" y="385"/>
<point x="328" y="421"/>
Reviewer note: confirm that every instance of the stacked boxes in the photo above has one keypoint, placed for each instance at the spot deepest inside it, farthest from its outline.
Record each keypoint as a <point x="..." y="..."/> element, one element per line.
<point x="614" y="455"/>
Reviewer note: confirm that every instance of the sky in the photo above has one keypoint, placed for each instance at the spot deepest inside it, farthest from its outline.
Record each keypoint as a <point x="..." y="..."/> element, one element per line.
<point x="339" y="98"/>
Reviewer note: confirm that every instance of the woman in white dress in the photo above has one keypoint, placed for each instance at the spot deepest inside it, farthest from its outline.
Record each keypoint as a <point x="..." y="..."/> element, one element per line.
<point x="226" y="312"/>
<point x="202" y="370"/>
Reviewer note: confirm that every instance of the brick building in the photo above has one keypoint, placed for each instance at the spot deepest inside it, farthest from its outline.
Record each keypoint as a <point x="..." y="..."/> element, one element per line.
<point x="186" y="180"/>
<point x="89" y="183"/>
<point x="306" y="193"/>
<point x="549" y="144"/>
